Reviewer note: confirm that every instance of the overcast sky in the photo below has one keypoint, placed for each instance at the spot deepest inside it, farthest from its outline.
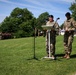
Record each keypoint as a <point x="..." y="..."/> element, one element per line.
<point x="58" y="8"/>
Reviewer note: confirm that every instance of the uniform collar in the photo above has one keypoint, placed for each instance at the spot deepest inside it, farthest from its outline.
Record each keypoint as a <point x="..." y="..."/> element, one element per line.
<point x="68" y="20"/>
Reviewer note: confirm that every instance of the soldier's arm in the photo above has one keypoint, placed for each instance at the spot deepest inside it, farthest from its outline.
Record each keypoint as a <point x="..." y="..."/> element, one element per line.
<point x="74" y="25"/>
<point x="56" y="27"/>
<point x="65" y="27"/>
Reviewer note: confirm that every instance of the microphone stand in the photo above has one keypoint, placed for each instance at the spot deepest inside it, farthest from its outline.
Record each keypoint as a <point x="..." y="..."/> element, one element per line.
<point x="34" y="56"/>
<point x="34" y="53"/>
<point x="34" y="42"/>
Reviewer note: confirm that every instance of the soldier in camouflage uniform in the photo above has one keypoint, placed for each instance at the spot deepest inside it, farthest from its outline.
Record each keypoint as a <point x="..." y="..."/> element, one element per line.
<point x="52" y="36"/>
<point x="69" y="27"/>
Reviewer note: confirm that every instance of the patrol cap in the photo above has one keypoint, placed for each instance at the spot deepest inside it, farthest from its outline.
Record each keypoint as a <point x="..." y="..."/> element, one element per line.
<point x="51" y="16"/>
<point x="67" y="14"/>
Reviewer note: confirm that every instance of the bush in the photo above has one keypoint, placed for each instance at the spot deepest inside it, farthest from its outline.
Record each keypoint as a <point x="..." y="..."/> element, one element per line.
<point x="19" y="34"/>
<point x="6" y="35"/>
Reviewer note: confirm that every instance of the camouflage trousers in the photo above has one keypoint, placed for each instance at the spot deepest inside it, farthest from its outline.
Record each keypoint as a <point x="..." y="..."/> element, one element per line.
<point x="68" y="40"/>
<point x="52" y="43"/>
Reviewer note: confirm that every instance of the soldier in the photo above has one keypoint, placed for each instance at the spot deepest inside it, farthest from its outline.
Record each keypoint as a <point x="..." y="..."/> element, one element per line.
<point x="52" y="36"/>
<point x="69" y="27"/>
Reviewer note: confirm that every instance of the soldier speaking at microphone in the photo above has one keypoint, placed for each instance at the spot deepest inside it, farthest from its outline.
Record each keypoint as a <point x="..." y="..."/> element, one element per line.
<point x="53" y="33"/>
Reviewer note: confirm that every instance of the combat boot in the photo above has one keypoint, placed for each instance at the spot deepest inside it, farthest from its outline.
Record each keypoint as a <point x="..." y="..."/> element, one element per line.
<point x="53" y="57"/>
<point x="68" y="56"/>
<point x="48" y="55"/>
<point x="65" y="56"/>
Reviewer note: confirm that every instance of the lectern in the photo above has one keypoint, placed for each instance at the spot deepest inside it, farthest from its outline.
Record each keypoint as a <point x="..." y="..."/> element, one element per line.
<point x="48" y="28"/>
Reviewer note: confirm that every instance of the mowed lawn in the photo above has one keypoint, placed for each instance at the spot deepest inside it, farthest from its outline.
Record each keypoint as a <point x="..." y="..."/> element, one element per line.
<point x="16" y="58"/>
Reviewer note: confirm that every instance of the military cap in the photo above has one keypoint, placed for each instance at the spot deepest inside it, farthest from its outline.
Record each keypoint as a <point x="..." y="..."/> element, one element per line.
<point x="67" y="14"/>
<point x="51" y="16"/>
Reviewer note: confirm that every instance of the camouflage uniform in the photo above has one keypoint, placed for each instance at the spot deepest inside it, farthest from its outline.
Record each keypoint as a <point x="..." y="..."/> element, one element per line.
<point x="68" y="36"/>
<point x="52" y="37"/>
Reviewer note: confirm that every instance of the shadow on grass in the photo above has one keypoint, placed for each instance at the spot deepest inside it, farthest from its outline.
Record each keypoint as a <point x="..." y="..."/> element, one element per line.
<point x="33" y="59"/>
<point x="73" y="56"/>
<point x="57" y="55"/>
<point x="61" y="55"/>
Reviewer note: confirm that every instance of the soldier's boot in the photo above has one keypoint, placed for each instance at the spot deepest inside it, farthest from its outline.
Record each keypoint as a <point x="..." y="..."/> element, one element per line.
<point x="65" y="55"/>
<point x="53" y="57"/>
<point x="68" y="56"/>
<point x="48" y="55"/>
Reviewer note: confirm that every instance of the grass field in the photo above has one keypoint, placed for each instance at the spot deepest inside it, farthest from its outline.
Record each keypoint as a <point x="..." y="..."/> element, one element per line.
<point x="16" y="58"/>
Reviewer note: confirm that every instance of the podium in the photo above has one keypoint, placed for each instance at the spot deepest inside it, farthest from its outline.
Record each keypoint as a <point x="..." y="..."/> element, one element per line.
<point x="48" y="28"/>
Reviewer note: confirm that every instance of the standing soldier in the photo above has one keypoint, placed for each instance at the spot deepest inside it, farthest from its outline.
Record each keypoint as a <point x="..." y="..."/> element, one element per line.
<point x="69" y="27"/>
<point x="52" y="36"/>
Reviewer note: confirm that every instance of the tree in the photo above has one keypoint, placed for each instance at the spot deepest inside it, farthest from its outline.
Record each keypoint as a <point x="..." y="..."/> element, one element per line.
<point x="19" y="22"/>
<point x="27" y="28"/>
<point x="73" y="9"/>
<point x="22" y="23"/>
<point x="0" y="27"/>
<point x="22" y="14"/>
<point x="41" y="20"/>
<point x="5" y="26"/>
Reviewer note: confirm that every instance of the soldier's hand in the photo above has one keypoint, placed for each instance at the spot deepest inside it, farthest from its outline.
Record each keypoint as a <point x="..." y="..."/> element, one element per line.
<point x="66" y="29"/>
<point x="73" y="28"/>
<point x="69" y="29"/>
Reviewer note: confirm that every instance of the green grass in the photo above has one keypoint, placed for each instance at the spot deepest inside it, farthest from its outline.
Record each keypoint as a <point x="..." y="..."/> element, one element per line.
<point x="16" y="58"/>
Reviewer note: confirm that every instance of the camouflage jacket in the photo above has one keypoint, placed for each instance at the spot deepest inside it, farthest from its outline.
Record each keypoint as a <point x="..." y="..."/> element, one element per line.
<point x="69" y="24"/>
<point x="54" y="24"/>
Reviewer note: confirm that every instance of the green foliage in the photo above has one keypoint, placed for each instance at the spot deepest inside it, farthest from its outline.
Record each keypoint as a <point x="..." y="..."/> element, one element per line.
<point x="73" y="9"/>
<point x="41" y="20"/>
<point x="16" y="58"/>
<point x="0" y="26"/>
<point x="22" y="14"/>
<point x="20" y="34"/>
<point x="20" y="22"/>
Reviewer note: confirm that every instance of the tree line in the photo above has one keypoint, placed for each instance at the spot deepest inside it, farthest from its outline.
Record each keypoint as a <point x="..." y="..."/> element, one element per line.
<point x="21" y="22"/>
